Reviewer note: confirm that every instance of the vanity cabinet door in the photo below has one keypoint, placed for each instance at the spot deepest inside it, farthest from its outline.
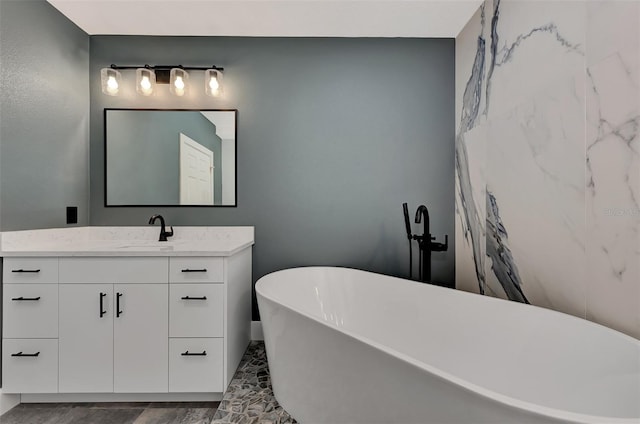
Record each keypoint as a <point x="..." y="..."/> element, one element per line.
<point x="86" y="338"/>
<point x="141" y="331"/>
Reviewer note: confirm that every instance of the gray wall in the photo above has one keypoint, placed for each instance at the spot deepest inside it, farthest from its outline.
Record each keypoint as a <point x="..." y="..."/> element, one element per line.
<point x="333" y="135"/>
<point x="44" y="116"/>
<point x="144" y="152"/>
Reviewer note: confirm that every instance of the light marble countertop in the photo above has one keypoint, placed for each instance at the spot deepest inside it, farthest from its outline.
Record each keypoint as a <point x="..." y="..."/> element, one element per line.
<point x="126" y="241"/>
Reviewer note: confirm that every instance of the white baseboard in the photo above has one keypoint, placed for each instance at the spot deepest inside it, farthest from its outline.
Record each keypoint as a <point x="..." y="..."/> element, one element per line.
<point x="120" y="397"/>
<point x="8" y="401"/>
<point x="256" y="330"/>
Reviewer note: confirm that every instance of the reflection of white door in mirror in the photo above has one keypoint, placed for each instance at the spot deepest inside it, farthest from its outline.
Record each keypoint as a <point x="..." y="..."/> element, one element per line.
<point x="196" y="173"/>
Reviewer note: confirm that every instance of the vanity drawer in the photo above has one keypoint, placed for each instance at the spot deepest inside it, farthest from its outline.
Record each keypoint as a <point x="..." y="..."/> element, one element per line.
<point x="30" y="270"/>
<point x="196" y="310"/>
<point x="30" y="366"/>
<point x="195" y="365"/>
<point x="196" y="270"/>
<point x="30" y="311"/>
<point x="139" y="270"/>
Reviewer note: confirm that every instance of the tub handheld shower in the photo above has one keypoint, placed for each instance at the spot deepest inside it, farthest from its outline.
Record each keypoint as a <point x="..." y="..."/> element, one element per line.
<point x="407" y="224"/>
<point x="426" y="243"/>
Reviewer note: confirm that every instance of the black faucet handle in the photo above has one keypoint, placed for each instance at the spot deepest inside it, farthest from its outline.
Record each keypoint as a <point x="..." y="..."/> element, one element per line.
<point x="169" y="233"/>
<point x="440" y="247"/>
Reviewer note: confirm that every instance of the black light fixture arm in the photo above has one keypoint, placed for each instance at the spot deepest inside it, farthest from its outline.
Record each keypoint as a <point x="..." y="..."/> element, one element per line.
<point x="167" y="67"/>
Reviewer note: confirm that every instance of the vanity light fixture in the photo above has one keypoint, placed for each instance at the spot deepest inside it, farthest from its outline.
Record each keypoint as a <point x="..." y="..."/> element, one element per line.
<point x="147" y="78"/>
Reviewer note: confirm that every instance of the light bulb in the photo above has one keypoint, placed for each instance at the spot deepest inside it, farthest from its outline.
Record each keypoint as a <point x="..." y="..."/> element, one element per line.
<point x="145" y="83"/>
<point x="179" y="83"/>
<point x="179" y="79"/>
<point x="213" y="82"/>
<point x="112" y="84"/>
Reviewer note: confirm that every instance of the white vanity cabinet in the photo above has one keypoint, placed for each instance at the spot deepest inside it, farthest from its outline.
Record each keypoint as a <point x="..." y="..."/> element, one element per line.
<point x="166" y="326"/>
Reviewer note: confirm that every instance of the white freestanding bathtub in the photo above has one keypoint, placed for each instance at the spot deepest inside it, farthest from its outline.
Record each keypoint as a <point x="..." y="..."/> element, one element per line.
<point x="349" y="346"/>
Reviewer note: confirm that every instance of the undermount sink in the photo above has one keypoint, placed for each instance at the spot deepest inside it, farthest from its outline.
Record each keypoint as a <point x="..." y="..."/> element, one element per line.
<point x="161" y="245"/>
<point x="147" y="247"/>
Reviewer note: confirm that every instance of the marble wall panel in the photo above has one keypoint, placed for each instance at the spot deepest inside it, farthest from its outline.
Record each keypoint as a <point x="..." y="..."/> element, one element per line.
<point x="548" y="156"/>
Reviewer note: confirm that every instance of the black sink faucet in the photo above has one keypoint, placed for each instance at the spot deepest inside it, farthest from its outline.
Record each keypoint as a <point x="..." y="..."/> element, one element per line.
<point x="163" y="233"/>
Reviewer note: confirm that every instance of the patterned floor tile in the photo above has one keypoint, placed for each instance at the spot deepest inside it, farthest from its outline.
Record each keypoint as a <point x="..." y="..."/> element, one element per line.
<point x="249" y="398"/>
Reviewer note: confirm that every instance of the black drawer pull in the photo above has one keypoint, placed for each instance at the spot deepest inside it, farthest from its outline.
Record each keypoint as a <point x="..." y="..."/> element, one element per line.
<point x="24" y="299"/>
<point x="102" y="311"/>
<point x="187" y="353"/>
<point x="25" y="270"/>
<point x="193" y="298"/>
<point x="118" y="311"/>
<point x="195" y="270"/>
<point x="26" y="355"/>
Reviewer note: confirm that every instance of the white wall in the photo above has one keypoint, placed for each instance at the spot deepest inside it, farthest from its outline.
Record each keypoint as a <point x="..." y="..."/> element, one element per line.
<point x="548" y="157"/>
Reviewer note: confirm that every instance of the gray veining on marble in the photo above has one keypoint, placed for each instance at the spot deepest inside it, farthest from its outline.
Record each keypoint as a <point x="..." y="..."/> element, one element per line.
<point x="500" y="253"/>
<point x="249" y="398"/>
<point x="503" y="265"/>
<point x="472" y="223"/>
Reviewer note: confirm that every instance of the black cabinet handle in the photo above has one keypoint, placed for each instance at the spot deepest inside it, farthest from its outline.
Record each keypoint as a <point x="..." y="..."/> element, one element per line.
<point x="24" y="299"/>
<point x="25" y="270"/>
<point x="193" y="298"/>
<point x="187" y="353"/>
<point x="194" y="270"/>
<point x="102" y="311"/>
<point x="26" y="355"/>
<point x="118" y="311"/>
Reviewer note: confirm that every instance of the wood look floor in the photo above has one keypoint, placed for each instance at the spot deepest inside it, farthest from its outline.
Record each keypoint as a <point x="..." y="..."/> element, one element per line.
<point x="112" y="413"/>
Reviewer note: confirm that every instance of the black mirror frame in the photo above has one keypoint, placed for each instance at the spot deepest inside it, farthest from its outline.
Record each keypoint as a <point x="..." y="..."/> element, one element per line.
<point x="104" y="122"/>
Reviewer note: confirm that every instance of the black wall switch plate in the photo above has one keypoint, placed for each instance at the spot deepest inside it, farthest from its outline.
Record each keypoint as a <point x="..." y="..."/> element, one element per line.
<point x="72" y="214"/>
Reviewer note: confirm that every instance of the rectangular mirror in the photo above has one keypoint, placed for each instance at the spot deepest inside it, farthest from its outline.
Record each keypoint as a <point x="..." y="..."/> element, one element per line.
<point x="170" y="157"/>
